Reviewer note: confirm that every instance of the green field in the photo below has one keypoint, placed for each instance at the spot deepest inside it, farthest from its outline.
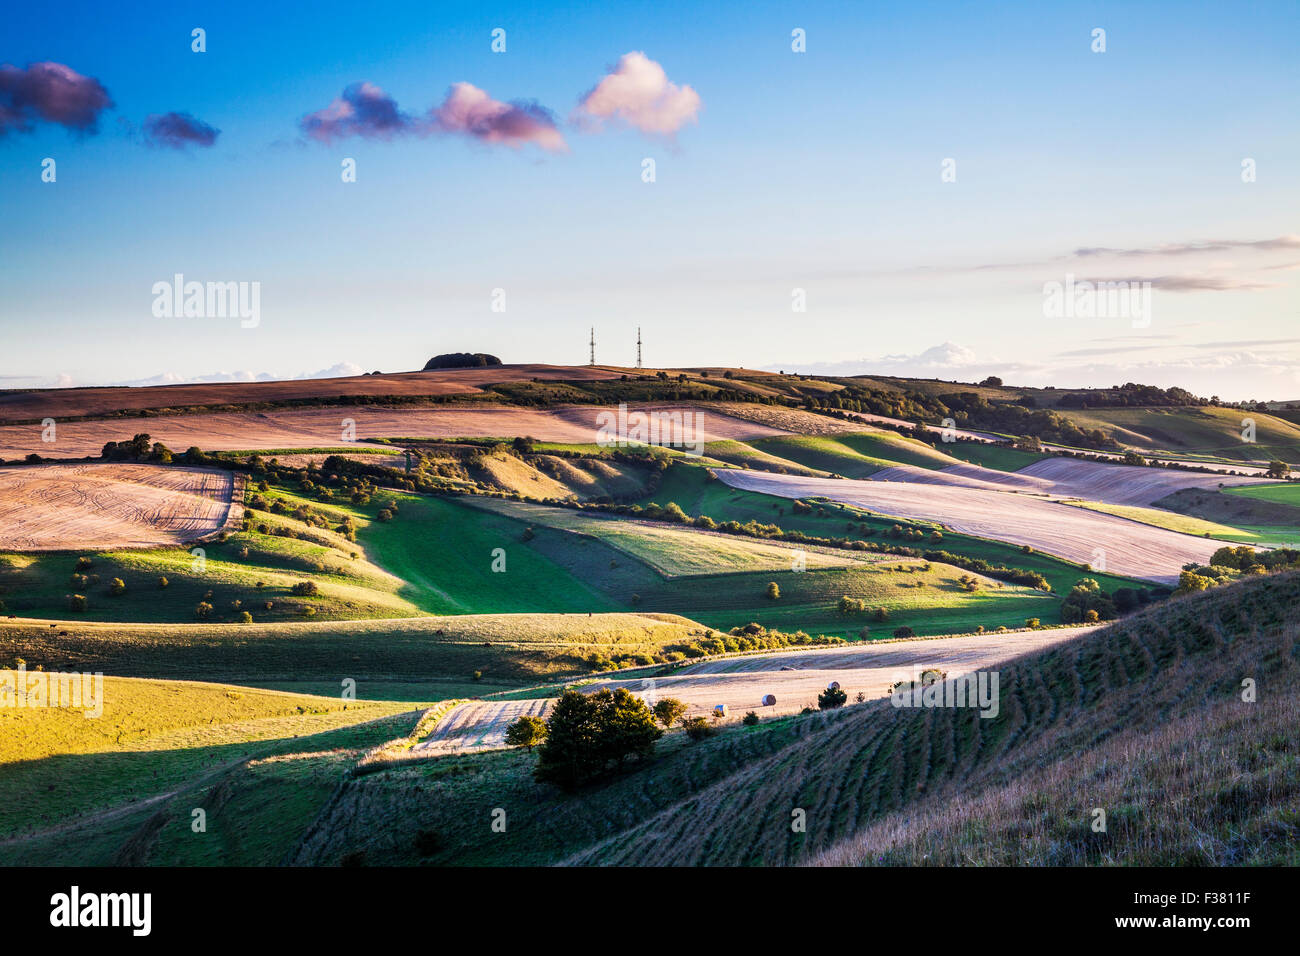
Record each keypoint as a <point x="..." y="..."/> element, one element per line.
<point x="1286" y="494"/>
<point x="998" y="457"/>
<point x="1171" y="521"/>
<point x="1210" y="432"/>
<point x="853" y="455"/>
<point x="1145" y="713"/>
<point x="507" y="649"/>
<point x="151" y="735"/>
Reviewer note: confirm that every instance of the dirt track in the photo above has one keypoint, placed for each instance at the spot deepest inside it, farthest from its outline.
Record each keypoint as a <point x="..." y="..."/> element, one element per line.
<point x="795" y="678"/>
<point x="324" y="427"/>
<point x="58" y="507"/>
<point x="1104" y="541"/>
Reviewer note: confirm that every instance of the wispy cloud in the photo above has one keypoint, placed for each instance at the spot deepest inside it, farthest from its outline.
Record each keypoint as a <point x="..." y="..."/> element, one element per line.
<point x="178" y="130"/>
<point x="1192" y="248"/>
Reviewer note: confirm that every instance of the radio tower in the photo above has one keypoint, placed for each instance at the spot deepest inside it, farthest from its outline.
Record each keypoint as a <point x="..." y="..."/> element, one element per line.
<point x="593" y="346"/>
<point x="638" y="346"/>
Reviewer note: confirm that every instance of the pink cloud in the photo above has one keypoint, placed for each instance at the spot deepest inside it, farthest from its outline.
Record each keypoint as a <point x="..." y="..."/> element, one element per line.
<point x="52" y="93"/>
<point x="639" y="93"/>
<point x="363" y="110"/>
<point x="472" y="112"/>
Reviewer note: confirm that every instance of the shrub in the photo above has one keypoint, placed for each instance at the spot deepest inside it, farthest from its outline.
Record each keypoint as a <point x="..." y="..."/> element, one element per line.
<point x="203" y="610"/>
<point x="163" y="582"/>
<point x="773" y="592"/>
<point x="117" y="587"/>
<point x="77" y="602"/>
<point x="750" y="719"/>
<point x="669" y="710"/>
<point x="305" y="588"/>
<point x="528" y="731"/>
<point x="904" y="631"/>
<point x="245" y="617"/>
<point x="697" y="728"/>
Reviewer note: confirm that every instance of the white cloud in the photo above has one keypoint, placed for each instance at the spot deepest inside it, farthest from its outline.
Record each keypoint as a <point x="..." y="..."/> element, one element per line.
<point x="639" y="93"/>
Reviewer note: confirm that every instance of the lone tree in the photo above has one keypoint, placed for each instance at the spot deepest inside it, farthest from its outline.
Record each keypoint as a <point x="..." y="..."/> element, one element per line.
<point x="587" y="733"/>
<point x="831" y="697"/>
<point x="528" y="731"/>
<point x="1278" y="469"/>
<point x="773" y="592"/>
<point x="669" y="710"/>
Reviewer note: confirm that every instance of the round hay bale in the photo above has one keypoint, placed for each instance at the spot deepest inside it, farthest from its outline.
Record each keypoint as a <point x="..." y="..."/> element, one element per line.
<point x="769" y="700"/>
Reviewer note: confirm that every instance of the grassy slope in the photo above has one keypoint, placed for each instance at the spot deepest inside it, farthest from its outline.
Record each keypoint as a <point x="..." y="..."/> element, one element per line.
<point x="931" y="602"/>
<point x="728" y="799"/>
<point x="150" y="736"/>
<point x="37" y="585"/>
<point x="1172" y="521"/>
<point x="1286" y="494"/>
<point x="508" y="649"/>
<point x="258" y="800"/>
<point x="853" y="455"/>
<point x="1184" y="661"/>
<point x="1204" y="432"/>
<point x="998" y="457"/>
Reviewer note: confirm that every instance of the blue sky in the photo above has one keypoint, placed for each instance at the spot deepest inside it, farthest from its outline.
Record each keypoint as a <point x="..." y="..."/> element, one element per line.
<point x="817" y="171"/>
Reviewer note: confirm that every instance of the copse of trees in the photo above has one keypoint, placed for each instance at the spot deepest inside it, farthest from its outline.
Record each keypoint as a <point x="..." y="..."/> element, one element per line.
<point x="461" y="360"/>
<point x="528" y="731"/>
<point x="588" y="735"/>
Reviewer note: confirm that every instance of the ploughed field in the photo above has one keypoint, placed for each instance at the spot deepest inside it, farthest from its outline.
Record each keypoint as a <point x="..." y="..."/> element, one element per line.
<point x="328" y="427"/>
<point x="1124" y="547"/>
<point x="83" y="506"/>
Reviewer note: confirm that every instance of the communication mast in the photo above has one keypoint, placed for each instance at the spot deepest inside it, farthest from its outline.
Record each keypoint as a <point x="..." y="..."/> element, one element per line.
<point x="593" y="346"/>
<point x="638" y="346"/>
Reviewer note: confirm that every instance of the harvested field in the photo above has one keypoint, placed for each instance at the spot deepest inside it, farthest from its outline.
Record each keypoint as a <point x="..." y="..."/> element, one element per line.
<point x="59" y="403"/>
<point x="316" y="427"/>
<point x="98" y="506"/>
<point x="795" y="678"/>
<point x="478" y="725"/>
<point x="1126" y="547"/>
<point x="1120" y="484"/>
<point x="1068" y="477"/>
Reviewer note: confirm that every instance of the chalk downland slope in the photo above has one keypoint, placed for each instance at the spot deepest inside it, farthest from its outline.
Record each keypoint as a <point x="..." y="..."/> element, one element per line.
<point x="1167" y="679"/>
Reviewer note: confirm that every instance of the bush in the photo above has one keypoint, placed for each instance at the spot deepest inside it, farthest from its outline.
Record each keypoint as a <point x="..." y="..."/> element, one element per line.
<point x="117" y="587"/>
<point x="77" y="602"/>
<point x="669" y="710"/>
<point x="904" y="631"/>
<point x="305" y="589"/>
<point x="750" y="719"/>
<point x="528" y="731"/>
<point x="245" y="617"/>
<point x="773" y="592"/>
<point x="203" y="611"/>
<point x="163" y="582"/>
<point x="697" y="728"/>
